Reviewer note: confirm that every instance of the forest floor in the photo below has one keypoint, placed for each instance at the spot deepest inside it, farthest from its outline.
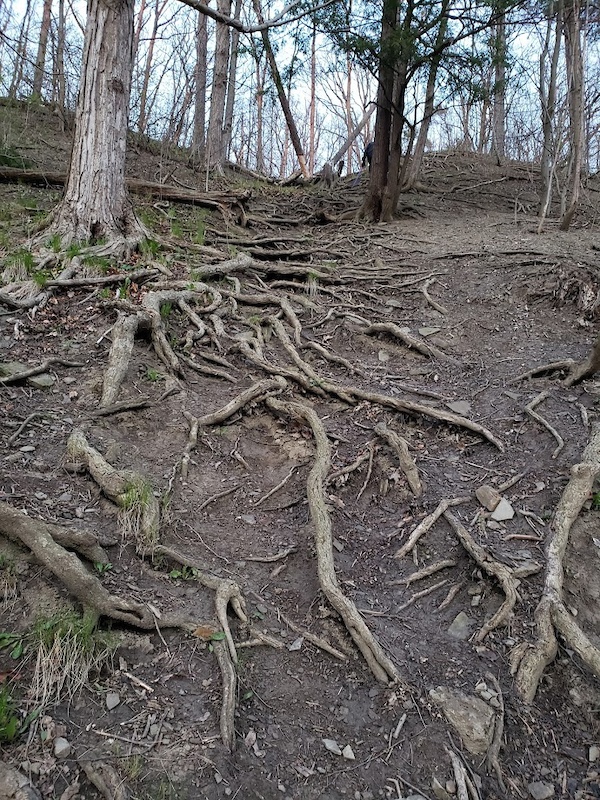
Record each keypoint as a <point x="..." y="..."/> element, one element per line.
<point x="463" y="274"/>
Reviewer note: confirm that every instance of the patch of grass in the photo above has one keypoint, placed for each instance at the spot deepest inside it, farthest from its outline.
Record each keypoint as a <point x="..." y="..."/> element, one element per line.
<point x="18" y="266"/>
<point x="137" y="504"/>
<point x="150" y="248"/>
<point x="71" y="650"/>
<point x="124" y="289"/>
<point x="165" y="310"/>
<point x="199" y="236"/>
<point x="101" y="567"/>
<point x="74" y="249"/>
<point x="105" y="293"/>
<point x="183" y="573"/>
<point x="55" y="243"/>
<point x="41" y="277"/>
<point x="154" y="375"/>
<point x="100" y="263"/>
<point x="10" y="722"/>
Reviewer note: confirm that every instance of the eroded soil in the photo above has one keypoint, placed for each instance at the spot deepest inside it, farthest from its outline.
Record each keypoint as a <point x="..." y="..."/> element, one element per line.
<point x="472" y="228"/>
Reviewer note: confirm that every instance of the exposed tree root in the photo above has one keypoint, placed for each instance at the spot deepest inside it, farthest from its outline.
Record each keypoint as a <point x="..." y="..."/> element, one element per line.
<point x="407" y="463"/>
<point x="379" y="663"/>
<point x="128" y="489"/>
<point x="426" y="524"/>
<point x="408" y="339"/>
<point x="576" y="370"/>
<point x="551" y="613"/>
<point x="17" y="377"/>
<point x="496" y="569"/>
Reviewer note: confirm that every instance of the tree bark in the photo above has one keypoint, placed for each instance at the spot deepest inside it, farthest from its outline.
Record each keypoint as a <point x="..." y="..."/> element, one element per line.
<point x="231" y="83"/>
<point x="40" y="61"/>
<point x="199" y="134"/>
<point x="285" y="106"/>
<point x="548" y="106"/>
<point x="499" y="93"/>
<point x="575" y="81"/>
<point x="96" y="204"/>
<point x="215" y="139"/>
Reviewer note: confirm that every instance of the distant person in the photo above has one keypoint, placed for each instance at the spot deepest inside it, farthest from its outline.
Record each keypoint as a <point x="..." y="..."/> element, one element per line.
<point x="368" y="154"/>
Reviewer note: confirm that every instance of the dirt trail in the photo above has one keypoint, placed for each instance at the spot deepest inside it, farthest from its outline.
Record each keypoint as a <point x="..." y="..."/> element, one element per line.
<point x="463" y="275"/>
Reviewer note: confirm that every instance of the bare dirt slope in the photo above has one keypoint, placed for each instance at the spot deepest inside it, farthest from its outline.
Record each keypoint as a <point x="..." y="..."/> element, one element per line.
<point x="484" y="299"/>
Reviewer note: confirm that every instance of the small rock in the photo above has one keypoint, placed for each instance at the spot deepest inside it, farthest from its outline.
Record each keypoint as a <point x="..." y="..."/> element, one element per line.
<point x="461" y="626"/>
<point x="383" y="356"/>
<point x="218" y="777"/>
<point x="503" y="511"/>
<point x="462" y="407"/>
<point x="429" y="331"/>
<point x="439" y="790"/>
<point x="348" y="753"/>
<point x="471" y="716"/>
<point x="43" y="381"/>
<point x="250" y="519"/>
<point x="112" y="700"/>
<point x="332" y="746"/>
<point x="27" y="448"/>
<point x="296" y="644"/>
<point x="338" y="545"/>
<point x="540" y="790"/>
<point x="594" y="753"/>
<point x="488" y="497"/>
<point x="62" y="748"/>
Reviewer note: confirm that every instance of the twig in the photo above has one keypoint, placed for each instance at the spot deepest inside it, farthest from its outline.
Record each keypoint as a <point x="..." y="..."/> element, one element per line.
<point x="426" y="572"/>
<point x="452" y="592"/>
<point x="529" y="408"/>
<point x="369" y="471"/>
<point x="276" y="557"/>
<point x="23" y="425"/>
<point x="316" y="640"/>
<point x="217" y="496"/>
<point x="279" y="486"/>
<point x="418" y="595"/>
<point x="426" y="524"/>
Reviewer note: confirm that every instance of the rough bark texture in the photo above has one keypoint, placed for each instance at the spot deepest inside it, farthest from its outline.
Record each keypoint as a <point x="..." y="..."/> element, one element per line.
<point x="215" y="150"/>
<point x="96" y="204"/>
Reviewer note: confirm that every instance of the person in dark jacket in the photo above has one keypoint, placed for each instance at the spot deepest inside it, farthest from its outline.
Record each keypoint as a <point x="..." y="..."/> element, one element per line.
<point x="368" y="154"/>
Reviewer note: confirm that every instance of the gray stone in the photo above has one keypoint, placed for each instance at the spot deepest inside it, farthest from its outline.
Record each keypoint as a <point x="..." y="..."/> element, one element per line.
<point x="9" y="368"/>
<point x="594" y="753"/>
<point x="540" y="790"/>
<point x="42" y="381"/>
<point x="462" y="407"/>
<point x="429" y="331"/>
<point x="332" y="746"/>
<point x="472" y="718"/>
<point x="15" y="786"/>
<point x="348" y="753"/>
<point x="461" y="626"/>
<point x="113" y="699"/>
<point x="503" y="511"/>
<point x="62" y="748"/>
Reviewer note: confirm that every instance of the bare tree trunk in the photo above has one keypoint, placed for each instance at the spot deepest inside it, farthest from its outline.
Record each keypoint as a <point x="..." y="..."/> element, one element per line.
<point x="574" y="65"/>
<point x="40" y="61"/>
<point x="414" y="168"/>
<point x="231" y="83"/>
<point x="260" y="105"/>
<point x="59" y="92"/>
<point x="285" y="106"/>
<point x="548" y="106"/>
<point x="499" y="94"/>
<point x="96" y="204"/>
<point x="352" y="135"/>
<point x="215" y="150"/>
<point x="199" y="134"/>
<point x="143" y="117"/>
<point x="313" y="98"/>
<point x="20" y="53"/>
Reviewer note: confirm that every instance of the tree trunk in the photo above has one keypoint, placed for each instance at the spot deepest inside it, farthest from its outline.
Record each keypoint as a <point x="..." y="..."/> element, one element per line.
<point x="231" y="83"/>
<point x="499" y="94"/>
<point x="96" y="203"/>
<point x="199" y="134"/>
<point x="40" y="61"/>
<point x="143" y="117"/>
<point x="215" y="139"/>
<point x="373" y="206"/>
<point x="548" y="106"/>
<point x="574" y="65"/>
<point x="60" y="82"/>
<point x="414" y="168"/>
<point x="285" y="106"/>
<point x="20" y="53"/>
<point x="313" y="98"/>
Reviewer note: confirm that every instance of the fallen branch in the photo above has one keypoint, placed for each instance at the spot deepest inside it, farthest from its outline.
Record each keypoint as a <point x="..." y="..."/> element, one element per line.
<point x="17" y="377"/>
<point x="426" y="524"/>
